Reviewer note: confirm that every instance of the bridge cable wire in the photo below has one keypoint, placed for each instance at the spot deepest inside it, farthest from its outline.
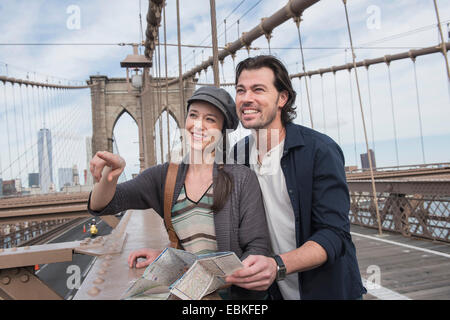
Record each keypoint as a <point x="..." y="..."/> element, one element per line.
<point x="370" y="107"/>
<point x="300" y="95"/>
<point x="392" y="111"/>
<point x="323" y="105"/>
<point x="16" y="126"/>
<point x="167" y="84"/>
<point x="180" y="70"/>
<point x="73" y="118"/>
<point x="160" y="107"/>
<point x="23" y="129"/>
<point x="337" y="107"/>
<point x="374" y="191"/>
<point x="7" y="128"/>
<point x="215" y="50"/>
<point x="297" y="21"/>
<point x="236" y="22"/>
<point x="418" y="109"/>
<point x="353" y="114"/>
<point x="442" y="44"/>
<point x="235" y="8"/>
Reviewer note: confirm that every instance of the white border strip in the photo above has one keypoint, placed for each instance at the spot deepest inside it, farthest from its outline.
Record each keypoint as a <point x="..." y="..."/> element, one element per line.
<point x="446" y="255"/>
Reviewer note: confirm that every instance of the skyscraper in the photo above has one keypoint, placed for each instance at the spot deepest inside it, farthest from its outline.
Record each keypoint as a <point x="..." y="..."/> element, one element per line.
<point x="45" y="159"/>
<point x="33" y="180"/>
<point x="65" y="177"/>
<point x="365" y="160"/>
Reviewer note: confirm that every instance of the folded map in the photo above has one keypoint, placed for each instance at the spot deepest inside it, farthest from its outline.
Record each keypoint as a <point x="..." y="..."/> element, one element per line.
<point x="183" y="274"/>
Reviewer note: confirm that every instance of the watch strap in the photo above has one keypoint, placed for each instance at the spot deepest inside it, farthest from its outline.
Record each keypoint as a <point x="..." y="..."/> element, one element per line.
<point x="281" y="268"/>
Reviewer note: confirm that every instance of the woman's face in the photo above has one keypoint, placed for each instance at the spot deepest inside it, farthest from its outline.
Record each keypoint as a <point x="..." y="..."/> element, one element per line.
<point x="204" y="125"/>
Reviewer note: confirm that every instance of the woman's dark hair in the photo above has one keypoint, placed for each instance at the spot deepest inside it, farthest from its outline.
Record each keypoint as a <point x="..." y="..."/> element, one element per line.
<point x="282" y="81"/>
<point x="223" y="184"/>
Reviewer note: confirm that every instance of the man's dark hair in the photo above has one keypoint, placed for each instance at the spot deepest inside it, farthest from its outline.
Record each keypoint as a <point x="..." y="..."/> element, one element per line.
<point x="282" y="81"/>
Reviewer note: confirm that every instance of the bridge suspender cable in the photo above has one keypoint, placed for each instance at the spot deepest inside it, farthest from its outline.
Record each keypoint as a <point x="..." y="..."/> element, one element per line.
<point x="418" y="109"/>
<point x="374" y="191"/>
<point x="160" y="105"/>
<point x="370" y="107"/>
<point x="353" y="114"/>
<point x="337" y="107"/>
<point x="212" y="4"/>
<point x="442" y="44"/>
<point x="167" y="84"/>
<point x="297" y="21"/>
<point x="392" y="109"/>
<point x="323" y="105"/>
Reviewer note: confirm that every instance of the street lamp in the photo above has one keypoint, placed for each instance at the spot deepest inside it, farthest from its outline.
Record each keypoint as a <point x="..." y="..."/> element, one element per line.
<point x="135" y="61"/>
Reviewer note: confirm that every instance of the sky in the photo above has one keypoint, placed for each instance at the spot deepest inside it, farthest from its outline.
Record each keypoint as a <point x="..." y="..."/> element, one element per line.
<point x="379" y="27"/>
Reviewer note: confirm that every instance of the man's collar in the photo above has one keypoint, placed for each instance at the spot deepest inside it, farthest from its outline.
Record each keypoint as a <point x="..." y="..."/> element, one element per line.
<point x="294" y="136"/>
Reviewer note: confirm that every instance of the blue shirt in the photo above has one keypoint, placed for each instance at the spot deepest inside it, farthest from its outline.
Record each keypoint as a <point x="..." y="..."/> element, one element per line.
<point x="313" y="166"/>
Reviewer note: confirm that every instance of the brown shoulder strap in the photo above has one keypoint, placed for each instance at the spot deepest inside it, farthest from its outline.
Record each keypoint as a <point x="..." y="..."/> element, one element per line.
<point x="169" y="189"/>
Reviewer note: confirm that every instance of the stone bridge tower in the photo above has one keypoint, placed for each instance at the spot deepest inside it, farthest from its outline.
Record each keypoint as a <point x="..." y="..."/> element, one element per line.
<point x="111" y="97"/>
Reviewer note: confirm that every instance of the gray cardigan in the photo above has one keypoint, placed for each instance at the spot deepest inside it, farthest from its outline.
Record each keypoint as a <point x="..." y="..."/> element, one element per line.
<point x="240" y="225"/>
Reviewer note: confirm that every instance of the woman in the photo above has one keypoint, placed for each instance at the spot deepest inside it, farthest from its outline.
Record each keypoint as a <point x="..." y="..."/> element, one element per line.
<point x="216" y="207"/>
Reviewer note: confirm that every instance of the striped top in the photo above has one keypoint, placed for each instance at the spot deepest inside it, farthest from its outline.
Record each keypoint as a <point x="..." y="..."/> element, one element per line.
<point x="194" y="222"/>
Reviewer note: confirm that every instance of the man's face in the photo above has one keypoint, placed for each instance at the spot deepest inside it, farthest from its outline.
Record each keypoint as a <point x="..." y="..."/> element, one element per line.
<point x="258" y="103"/>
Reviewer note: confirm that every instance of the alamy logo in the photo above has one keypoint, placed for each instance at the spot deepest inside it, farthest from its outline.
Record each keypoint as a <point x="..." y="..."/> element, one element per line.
<point x="374" y="19"/>
<point x="73" y="22"/>
<point x="74" y="280"/>
<point x="374" y="280"/>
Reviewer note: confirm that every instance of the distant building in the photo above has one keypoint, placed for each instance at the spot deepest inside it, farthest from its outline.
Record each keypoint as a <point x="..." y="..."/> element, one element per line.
<point x="45" y="159"/>
<point x="88" y="179"/>
<point x="9" y="187"/>
<point x="75" y="175"/>
<point x="365" y="160"/>
<point x="18" y="185"/>
<point x="33" y="180"/>
<point x="65" y="177"/>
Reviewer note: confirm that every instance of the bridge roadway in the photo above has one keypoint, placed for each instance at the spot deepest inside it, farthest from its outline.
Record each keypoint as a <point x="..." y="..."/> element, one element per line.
<point x="58" y="275"/>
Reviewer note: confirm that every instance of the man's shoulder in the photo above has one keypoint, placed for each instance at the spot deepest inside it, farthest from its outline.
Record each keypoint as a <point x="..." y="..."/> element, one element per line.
<point x="307" y="135"/>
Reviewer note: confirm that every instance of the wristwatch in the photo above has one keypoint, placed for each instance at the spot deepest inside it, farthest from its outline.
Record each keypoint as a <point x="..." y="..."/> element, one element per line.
<point x="281" y="268"/>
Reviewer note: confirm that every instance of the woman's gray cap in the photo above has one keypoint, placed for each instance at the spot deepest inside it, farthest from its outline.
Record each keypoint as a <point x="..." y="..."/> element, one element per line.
<point x="219" y="98"/>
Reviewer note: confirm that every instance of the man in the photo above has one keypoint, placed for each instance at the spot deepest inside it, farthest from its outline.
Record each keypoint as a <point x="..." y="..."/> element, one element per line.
<point x="302" y="178"/>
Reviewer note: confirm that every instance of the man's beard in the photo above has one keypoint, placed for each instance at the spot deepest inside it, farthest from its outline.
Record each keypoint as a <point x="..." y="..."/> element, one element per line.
<point x="270" y="119"/>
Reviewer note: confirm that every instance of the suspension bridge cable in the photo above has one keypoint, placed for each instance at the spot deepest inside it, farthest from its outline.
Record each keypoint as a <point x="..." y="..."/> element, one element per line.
<point x="393" y="113"/>
<point x="23" y="128"/>
<point x="353" y="114"/>
<point x="442" y="44"/>
<point x="337" y="108"/>
<point x="242" y="16"/>
<point x="60" y="125"/>
<point x="167" y="83"/>
<point x="160" y="101"/>
<point x="374" y="191"/>
<point x="418" y="110"/>
<point x="370" y="107"/>
<point x="7" y="128"/>
<point x="297" y="22"/>
<point x="15" y="122"/>
<point x="180" y="70"/>
<point x="323" y="105"/>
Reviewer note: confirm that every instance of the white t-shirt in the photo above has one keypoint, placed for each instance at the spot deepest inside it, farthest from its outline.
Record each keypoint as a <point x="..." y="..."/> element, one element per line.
<point x="279" y="212"/>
